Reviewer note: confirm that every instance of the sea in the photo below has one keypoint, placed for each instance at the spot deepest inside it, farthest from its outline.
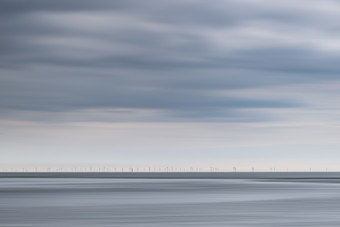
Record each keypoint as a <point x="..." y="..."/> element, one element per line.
<point x="164" y="200"/>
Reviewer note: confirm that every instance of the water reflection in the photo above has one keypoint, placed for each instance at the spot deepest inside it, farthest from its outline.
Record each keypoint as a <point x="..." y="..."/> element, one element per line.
<point x="167" y="202"/>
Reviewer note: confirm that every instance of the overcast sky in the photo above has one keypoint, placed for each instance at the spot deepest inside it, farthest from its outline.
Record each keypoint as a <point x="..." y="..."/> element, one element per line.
<point x="211" y="83"/>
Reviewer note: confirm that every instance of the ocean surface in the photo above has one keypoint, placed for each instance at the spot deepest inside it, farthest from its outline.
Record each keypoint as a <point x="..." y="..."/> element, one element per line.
<point x="159" y="202"/>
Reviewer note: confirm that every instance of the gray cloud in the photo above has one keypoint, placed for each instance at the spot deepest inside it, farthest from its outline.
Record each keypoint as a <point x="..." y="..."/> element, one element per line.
<point x="181" y="58"/>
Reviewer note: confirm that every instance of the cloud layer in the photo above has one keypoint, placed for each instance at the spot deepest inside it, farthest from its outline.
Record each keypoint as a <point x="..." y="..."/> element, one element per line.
<point x="163" y="61"/>
<point x="252" y="83"/>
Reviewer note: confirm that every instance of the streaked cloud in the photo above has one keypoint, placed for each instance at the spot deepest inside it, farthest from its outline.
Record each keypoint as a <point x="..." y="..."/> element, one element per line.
<point x="260" y="67"/>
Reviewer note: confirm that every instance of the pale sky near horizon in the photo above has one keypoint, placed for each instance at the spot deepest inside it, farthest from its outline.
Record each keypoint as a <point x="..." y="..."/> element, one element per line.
<point x="207" y="83"/>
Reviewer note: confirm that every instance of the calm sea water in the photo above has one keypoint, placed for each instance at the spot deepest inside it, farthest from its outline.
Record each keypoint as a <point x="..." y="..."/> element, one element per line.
<point x="167" y="202"/>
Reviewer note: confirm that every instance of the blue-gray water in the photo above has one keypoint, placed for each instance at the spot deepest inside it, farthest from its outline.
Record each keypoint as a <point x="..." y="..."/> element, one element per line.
<point x="168" y="202"/>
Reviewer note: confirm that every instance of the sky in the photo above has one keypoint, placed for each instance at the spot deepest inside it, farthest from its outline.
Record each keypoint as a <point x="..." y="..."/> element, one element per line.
<point x="237" y="83"/>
